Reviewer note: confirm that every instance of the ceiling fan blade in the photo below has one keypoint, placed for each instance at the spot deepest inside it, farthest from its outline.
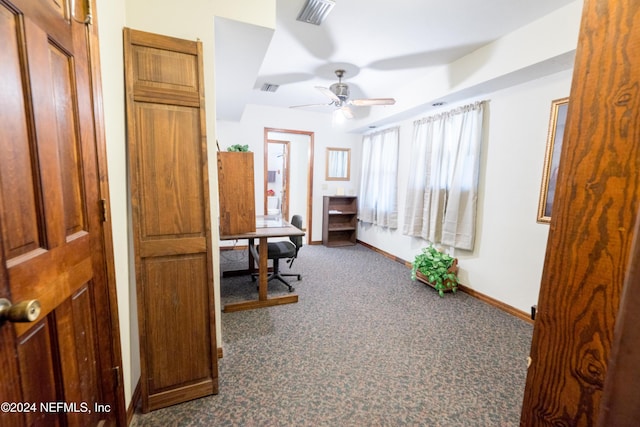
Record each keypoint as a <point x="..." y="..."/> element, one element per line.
<point x="310" y="105"/>
<point x="327" y="92"/>
<point x="372" y="101"/>
<point x="346" y="111"/>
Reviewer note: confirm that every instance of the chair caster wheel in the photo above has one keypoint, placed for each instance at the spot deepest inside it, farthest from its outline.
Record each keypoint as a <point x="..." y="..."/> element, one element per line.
<point x="291" y="289"/>
<point x="299" y="277"/>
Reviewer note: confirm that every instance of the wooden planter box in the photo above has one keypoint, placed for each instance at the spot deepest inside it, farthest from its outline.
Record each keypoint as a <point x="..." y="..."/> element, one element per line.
<point x="453" y="269"/>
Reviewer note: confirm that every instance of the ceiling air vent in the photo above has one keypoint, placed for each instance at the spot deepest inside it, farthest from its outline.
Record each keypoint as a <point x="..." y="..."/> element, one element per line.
<point x="269" y="87"/>
<point x="315" y="11"/>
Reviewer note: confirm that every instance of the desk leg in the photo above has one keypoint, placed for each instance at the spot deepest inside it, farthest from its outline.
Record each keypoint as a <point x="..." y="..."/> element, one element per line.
<point x="252" y="261"/>
<point x="263" y="269"/>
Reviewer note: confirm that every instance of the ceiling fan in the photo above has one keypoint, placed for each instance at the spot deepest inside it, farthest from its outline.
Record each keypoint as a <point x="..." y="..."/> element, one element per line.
<point x="338" y="93"/>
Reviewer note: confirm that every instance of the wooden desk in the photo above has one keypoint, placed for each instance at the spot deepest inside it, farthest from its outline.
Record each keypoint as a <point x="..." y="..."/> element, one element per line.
<point x="265" y="227"/>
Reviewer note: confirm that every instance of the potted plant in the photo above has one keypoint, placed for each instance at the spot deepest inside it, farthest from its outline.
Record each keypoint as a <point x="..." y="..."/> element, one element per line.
<point x="436" y="269"/>
<point x="238" y="147"/>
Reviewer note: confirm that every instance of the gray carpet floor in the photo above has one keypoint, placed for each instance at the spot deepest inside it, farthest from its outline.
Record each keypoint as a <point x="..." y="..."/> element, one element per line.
<point x="364" y="346"/>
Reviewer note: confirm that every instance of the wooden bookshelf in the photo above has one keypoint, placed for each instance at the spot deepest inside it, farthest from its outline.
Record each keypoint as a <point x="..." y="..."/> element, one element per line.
<point x="339" y="220"/>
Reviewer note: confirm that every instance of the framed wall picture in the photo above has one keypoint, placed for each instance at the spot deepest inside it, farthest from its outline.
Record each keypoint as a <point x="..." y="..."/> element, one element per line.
<point x="557" y="124"/>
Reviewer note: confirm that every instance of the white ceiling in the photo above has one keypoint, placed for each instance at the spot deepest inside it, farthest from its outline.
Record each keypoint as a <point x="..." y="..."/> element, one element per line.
<point x="381" y="44"/>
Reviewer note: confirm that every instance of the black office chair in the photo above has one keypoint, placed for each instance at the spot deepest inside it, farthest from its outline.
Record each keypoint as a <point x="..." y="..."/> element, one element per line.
<point x="284" y="250"/>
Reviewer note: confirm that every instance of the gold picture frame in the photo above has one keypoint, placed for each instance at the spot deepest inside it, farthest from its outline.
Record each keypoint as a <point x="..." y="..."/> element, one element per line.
<point x="555" y="134"/>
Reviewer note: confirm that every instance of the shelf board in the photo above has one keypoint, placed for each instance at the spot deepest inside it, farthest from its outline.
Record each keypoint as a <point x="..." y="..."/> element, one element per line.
<point x="342" y="213"/>
<point x="345" y="228"/>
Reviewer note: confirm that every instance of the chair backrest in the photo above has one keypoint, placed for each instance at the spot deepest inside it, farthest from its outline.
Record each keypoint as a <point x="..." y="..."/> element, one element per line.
<point x="296" y="221"/>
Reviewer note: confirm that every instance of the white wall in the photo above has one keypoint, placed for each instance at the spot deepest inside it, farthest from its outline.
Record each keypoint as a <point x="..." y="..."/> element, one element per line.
<point x="250" y="130"/>
<point x="506" y="263"/>
<point x="520" y="74"/>
<point x="509" y="256"/>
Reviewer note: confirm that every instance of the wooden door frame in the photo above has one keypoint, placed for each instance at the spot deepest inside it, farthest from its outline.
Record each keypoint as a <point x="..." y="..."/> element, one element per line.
<point x="623" y="373"/>
<point x="311" y="136"/>
<point x="582" y="369"/>
<point x="112" y="382"/>
<point x="286" y="176"/>
<point x="107" y="231"/>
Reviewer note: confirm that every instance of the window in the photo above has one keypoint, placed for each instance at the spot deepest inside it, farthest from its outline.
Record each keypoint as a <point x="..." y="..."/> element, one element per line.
<point x="443" y="180"/>
<point x="378" y="202"/>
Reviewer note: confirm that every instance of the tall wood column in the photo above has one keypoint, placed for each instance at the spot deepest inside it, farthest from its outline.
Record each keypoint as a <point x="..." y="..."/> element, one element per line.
<point x="592" y="225"/>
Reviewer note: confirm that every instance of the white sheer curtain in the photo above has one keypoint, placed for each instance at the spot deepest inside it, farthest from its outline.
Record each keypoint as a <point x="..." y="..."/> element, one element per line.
<point x="378" y="202"/>
<point x="442" y="190"/>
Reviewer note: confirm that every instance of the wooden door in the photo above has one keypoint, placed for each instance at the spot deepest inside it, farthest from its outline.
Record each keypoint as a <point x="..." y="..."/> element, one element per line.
<point x="171" y="218"/>
<point x="593" y="226"/>
<point x="63" y="367"/>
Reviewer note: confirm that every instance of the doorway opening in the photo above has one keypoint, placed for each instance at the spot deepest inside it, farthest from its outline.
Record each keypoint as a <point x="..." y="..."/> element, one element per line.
<point x="288" y="172"/>
<point x="278" y="178"/>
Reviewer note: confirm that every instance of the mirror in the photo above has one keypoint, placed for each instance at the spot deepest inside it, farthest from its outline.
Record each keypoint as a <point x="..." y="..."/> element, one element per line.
<point x="338" y="164"/>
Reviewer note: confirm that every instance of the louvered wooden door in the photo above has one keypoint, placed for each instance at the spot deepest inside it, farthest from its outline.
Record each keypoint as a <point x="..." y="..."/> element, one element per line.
<point x="58" y="369"/>
<point x="171" y="220"/>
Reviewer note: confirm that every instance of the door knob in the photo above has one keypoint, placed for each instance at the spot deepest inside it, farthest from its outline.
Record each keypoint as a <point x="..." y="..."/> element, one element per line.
<point x="25" y="311"/>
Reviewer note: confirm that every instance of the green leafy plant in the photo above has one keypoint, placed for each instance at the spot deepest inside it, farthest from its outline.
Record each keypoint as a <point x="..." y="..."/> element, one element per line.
<point x="238" y="147"/>
<point x="436" y="267"/>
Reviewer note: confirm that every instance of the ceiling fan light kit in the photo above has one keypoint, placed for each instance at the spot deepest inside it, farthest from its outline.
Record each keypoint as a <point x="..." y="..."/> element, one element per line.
<point x="339" y="92"/>
<point x="315" y="11"/>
